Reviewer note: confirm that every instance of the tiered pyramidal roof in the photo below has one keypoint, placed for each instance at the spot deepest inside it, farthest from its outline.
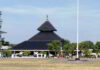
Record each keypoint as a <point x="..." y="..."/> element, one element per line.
<point x="46" y="33"/>
<point x="40" y="40"/>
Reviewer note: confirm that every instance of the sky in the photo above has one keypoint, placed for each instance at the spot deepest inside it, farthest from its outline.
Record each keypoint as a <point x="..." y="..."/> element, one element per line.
<point x="21" y="18"/>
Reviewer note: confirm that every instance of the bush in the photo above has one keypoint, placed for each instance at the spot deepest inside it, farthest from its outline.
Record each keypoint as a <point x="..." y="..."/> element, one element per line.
<point x="93" y="56"/>
<point x="43" y="52"/>
<point x="87" y="53"/>
<point x="27" y="53"/>
<point x="7" y="53"/>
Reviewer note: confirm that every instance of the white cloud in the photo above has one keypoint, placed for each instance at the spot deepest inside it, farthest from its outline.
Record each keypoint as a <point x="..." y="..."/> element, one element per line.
<point x="89" y="11"/>
<point x="30" y="10"/>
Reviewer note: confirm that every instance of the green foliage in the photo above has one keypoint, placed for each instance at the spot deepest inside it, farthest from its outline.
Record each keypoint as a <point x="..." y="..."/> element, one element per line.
<point x="7" y="53"/>
<point x="66" y="42"/>
<point x="69" y="48"/>
<point x="43" y="52"/>
<point x="86" y="45"/>
<point x="96" y="50"/>
<point x="74" y="45"/>
<point x="5" y="43"/>
<point x="97" y="45"/>
<point x="87" y="53"/>
<point x="54" y="46"/>
<point x="26" y="53"/>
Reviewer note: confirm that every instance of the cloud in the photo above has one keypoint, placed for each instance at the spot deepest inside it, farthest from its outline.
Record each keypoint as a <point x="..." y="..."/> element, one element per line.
<point x="61" y="13"/>
<point x="89" y="11"/>
<point x="30" y="10"/>
<point x="93" y="13"/>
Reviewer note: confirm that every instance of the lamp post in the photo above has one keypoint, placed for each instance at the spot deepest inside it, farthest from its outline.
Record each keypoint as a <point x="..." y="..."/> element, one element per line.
<point x="77" y="48"/>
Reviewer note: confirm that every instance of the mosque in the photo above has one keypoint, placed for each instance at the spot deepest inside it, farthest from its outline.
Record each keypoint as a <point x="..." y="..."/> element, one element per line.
<point x="38" y="42"/>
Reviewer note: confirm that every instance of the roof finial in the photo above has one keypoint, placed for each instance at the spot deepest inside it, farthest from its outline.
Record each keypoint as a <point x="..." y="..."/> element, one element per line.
<point x="47" y="17"/>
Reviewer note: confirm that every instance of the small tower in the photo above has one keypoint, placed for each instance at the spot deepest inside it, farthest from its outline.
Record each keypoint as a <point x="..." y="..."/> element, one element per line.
<point x="1" y="32"/>
<point x="0" y="20"/>
<point x="0" y="29"/>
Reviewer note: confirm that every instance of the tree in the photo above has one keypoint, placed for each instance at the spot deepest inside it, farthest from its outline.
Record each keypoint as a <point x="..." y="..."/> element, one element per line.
<point x="96" y="48"/>
<point x="97" y="45"/>
<point x="66" y="42"/>
<point x="87" y="53"/>
<point x="5" y="43"/>
<point x="74" y="45"/>
<point x="86" y="45"/>
<point x="69" y="48"/>
<point x="97" y="51"/>
<point x="54" y="46"/>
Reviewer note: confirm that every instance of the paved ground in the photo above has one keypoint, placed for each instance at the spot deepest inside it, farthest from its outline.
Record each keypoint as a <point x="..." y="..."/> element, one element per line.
<point x="49" y="64"/>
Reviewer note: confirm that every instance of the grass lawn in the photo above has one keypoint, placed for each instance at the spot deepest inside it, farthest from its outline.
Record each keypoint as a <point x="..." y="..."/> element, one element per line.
<point x="47" y="64"/>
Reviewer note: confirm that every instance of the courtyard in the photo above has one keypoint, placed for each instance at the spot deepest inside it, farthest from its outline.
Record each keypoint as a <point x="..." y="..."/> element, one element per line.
<point x="49" y="64"/>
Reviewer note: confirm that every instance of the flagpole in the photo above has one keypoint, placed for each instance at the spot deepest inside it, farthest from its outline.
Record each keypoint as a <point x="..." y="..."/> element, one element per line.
<point x="77" y="49"/>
